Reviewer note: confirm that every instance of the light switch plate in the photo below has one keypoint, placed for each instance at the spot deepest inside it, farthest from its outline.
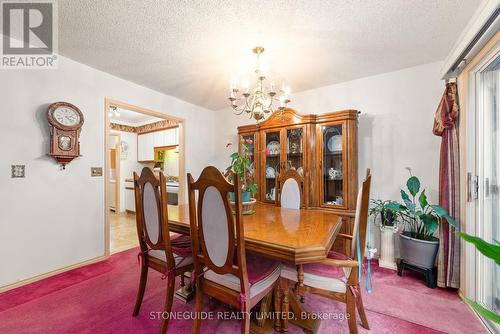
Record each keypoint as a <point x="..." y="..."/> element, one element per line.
<point x="95" y="171"/>
<point x="18" y="171"/>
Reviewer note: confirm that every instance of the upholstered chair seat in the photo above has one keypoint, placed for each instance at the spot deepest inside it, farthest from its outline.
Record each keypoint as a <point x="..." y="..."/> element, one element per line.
<point x="181" y="249"/>
<point x="262" y="273"/>
<point x="320" y="275"/>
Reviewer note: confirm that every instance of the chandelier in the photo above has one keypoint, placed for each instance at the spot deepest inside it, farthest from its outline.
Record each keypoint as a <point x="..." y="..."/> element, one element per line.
<point x="257" y="103"/>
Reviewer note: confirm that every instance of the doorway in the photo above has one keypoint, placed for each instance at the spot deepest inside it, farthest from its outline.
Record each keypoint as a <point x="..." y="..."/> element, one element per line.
<point x="483" y="171"/>
<point x="136" y="138"/>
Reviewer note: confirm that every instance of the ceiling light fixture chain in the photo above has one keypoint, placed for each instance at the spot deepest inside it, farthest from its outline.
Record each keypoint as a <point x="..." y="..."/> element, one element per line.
<point x="258" y="103"/>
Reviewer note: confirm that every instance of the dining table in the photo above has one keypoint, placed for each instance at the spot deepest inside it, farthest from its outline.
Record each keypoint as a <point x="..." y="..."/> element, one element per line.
<point x="294" y="236"/>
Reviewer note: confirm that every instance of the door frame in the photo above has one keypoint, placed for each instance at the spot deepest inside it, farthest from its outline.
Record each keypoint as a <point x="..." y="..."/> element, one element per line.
<point x="108" y="102"/>
<point x="118" y="207"/>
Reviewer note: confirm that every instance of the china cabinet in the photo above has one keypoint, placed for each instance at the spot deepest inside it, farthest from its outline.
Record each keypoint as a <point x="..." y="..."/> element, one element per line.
<point x="322" y="148"/>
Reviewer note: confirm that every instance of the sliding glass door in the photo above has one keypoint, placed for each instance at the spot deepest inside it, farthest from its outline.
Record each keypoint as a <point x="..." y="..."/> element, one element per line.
<point x="487" y="180"/>
<point x="483" y="166"/>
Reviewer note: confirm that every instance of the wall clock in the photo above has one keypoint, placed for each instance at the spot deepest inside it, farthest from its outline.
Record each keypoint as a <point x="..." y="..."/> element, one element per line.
<point x="65" y="121"/>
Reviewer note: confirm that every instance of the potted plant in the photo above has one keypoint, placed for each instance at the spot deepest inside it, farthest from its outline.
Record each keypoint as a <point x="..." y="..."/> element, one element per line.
<point x="385" y="219"/>
<point x="241" y="166"/>
<point x="418" y="246"/>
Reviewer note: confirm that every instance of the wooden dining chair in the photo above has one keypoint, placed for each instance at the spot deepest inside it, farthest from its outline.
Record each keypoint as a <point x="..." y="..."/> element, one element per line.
<point x="170" y="256"/>
<point x="337" y="276"/>
<point x="223" y="270"/>
<point x="290" y="185"/>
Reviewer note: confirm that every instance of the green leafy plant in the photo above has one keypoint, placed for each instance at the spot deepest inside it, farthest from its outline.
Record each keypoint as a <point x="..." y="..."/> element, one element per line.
<point x="380" y="208"/>
<point x="241" y="166"/>
<point x="420" y="218"/>
<point x="491" y="251"/>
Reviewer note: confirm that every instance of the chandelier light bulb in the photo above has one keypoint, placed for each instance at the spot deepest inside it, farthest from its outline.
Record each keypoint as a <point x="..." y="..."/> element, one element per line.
<point x="245" y="84"/>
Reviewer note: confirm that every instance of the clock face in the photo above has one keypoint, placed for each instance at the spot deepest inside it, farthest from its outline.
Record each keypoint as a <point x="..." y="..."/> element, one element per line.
<point x="66" y="116"/>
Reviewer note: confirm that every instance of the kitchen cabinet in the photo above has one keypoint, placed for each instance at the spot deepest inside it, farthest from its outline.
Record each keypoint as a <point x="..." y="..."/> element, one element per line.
<point x="145" y="146"/>
<point x="146" y="142"/>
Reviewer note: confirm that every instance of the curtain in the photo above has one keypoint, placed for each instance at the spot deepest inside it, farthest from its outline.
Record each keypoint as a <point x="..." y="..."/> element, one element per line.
<point x="446" y="126"/>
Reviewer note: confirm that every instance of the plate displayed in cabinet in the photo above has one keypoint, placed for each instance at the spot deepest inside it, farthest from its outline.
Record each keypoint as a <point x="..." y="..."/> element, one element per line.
<point x="270" y="173"/>
<point x="335" y="144"/>
<point x="273" y="147"/>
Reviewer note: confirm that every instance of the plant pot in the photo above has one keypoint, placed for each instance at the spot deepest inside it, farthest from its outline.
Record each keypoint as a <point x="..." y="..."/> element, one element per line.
<point x="421" y="253"/>
<point x="387" y="259"/>
<point x="247" y="207"/>
<point x="245" y="196"/>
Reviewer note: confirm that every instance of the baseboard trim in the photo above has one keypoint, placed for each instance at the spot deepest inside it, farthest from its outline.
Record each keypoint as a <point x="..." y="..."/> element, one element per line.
<point x="387" y="265"/>
<point x="40" y="277"/>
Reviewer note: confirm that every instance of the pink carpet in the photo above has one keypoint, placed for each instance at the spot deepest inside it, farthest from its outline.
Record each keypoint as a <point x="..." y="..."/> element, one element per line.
<point x="99" y="299"/>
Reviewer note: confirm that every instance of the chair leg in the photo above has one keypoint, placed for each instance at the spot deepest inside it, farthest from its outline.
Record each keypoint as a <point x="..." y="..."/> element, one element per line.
<point x="168" y="304"/>
<point x="351" y="312"/>
<point x="361" y="311"/>
<point x="245" y="323"/>
<point x="277" y="306"/>
<point x="198" y="307"/>
<point x="142" y="288"/>
<point x="285" y="306"/>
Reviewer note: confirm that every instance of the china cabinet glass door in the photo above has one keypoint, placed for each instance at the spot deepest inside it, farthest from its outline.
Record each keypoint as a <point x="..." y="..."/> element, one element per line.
<point x="332" y="171"/>
<point x="251" y="143"/>
<point x="295" y="149"/>
<point x="272" y="158"/>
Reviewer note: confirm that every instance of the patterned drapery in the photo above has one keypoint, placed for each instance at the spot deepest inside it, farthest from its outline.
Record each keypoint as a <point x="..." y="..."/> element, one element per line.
<point x="446" y="126"/>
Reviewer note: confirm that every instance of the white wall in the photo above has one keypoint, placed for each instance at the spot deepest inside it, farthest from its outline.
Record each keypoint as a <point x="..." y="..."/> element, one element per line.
<point x="55" y="218"/>
<point x="395" y="127"/>
<point x="129" y="165"/>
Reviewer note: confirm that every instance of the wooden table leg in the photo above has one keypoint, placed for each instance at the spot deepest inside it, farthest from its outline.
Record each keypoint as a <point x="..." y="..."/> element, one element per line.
<point x="300" y="318"/>
<point x="186" y="292"/>
<point x="278" y="295"/>
<point x="265" y="307"/>
<point x="291" y="310"/>
<point x="285" y="305"/>
<point x="300" y="283"/>
<point x="263" y="323"/>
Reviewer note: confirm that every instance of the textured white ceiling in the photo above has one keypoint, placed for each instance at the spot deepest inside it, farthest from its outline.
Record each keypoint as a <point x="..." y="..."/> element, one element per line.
<point x="190" y="49"/>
